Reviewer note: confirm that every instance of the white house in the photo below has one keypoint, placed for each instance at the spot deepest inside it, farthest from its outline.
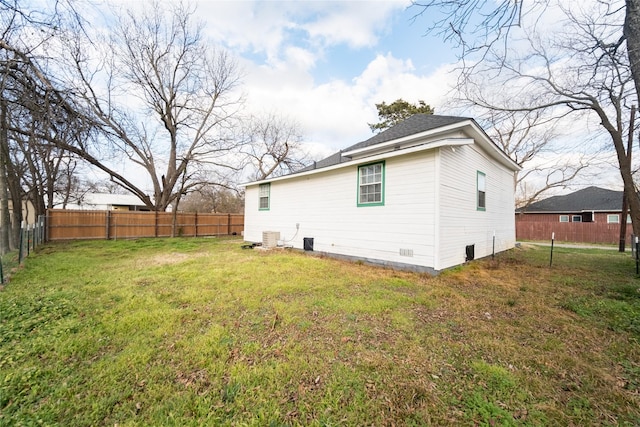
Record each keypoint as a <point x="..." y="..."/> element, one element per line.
<point x="105" y="202"/>
<point x="426" y="194"/>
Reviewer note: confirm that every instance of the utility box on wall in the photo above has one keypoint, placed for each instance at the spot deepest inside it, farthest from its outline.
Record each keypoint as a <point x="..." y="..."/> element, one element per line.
<point x="307" y="243"/>
<point x="470" y="252"/>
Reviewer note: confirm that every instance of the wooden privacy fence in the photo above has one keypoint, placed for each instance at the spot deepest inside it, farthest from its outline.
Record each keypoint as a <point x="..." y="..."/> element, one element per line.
<point x="587" y="232"/>
<point x="80" y="224"/>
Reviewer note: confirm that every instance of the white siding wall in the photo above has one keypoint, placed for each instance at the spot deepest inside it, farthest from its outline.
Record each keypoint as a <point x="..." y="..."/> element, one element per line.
<point x="325" y="206"/>
<point x="460" y="222"/>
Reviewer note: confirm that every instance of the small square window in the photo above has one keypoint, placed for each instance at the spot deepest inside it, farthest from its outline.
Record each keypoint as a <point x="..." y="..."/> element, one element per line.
<point x="564" y="218"/>
<point x="576" y="218"/>
<point x="613" y="219"/>
<point x="264" y="196"/>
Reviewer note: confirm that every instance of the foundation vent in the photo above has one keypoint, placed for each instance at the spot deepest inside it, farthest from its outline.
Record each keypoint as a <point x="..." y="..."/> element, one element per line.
<point x="406" y="252"/>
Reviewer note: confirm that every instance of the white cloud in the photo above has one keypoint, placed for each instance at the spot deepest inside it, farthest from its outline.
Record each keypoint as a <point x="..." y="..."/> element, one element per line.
<point x="299" y="58"/>
<point x="247" y="27"/>
<point x="270" y="27"/>
<point x="335" y="114"/>
<point x="356" y="24"/>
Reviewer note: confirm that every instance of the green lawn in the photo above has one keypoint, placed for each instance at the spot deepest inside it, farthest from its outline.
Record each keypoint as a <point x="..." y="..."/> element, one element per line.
<point x="201" y="332"/>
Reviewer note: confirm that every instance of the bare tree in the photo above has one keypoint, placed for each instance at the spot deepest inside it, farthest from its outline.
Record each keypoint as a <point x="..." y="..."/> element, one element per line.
<point x="272" y="145"/>
<point x="589" y="66"/>
<point x="573" y="72"/>
<point x="29" y="170"/>
<point x="185" y="92"/>
<point x="532" y="140"/>
<point x="214" y="199"/>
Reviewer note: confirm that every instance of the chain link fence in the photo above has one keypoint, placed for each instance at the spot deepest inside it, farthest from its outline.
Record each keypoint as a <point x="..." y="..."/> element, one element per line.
<point x="31" y="236"/>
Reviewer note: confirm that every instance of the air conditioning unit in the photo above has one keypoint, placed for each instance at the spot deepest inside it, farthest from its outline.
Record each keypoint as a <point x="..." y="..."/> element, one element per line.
<point x="270" y="239"/>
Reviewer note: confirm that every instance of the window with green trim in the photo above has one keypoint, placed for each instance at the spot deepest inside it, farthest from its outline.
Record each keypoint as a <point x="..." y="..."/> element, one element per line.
<point x="371" y="184"/>
<point x="482" y="188"/>
<point x="264" y="196"/>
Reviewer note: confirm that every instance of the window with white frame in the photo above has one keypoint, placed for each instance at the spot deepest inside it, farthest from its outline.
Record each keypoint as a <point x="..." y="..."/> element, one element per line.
<point x="264" y="196"/>
<point x="613" y="219"/>
<point x="564" y="218"/>
<point x="371" y="184"/>
<point x="481" y="185"/>
<point x="576" y="218"/>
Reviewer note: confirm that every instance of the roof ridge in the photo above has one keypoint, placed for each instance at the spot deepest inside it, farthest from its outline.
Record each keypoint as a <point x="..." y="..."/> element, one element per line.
<point x="590" y="198"/>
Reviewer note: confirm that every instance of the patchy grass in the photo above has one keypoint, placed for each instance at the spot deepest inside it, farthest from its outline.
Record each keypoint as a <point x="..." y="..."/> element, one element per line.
<point x="10" y="265"/>
<point x="199" y="331"/>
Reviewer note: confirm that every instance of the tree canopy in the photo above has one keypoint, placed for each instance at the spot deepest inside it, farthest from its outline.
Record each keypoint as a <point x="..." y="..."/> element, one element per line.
<point x="399" y="110"/>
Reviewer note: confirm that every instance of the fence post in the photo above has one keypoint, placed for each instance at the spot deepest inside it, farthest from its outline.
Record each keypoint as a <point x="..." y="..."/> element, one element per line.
<point x="637" y="257"/>
<point x="493" y="249"/>
<point x="46" y="225"/>
<point x="228" y="224"/>
<point x="195" y="221"/>
<point x="20" y="244"/>
<point x="107" y="224"/>
<point x="43" y="228"/>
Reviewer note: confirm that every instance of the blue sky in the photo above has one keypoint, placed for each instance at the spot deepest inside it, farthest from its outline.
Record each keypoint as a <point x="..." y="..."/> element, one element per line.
<point x="326" y="63"/>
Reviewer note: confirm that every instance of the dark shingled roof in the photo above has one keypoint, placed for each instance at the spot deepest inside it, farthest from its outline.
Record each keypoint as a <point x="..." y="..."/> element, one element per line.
<point x="333" y="159"/>
<point x="415" y="124"/>
<point x="587" y="199"/>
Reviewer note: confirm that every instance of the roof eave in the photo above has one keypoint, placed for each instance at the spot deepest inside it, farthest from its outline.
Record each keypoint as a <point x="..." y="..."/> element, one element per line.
<point x="405" y="139"/>
<point x="469" y="125"/>
<point x="446" y="142"/>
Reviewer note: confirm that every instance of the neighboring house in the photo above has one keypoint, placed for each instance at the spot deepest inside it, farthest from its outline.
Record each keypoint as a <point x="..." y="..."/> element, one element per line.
<point x="590" y="215"/>
<point x="106" y="201"/>
<point x="426" y="194"/>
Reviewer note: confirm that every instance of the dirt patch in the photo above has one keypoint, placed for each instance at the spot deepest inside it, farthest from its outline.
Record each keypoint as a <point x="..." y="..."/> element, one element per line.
<point x="170" y="258"/>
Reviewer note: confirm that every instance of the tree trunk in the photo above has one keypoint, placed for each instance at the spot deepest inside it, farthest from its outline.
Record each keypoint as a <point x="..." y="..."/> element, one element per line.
<point x="629" y="186"/>
<point x="5" y="225"/>
<point x="632" y="34"/>
<point x="625" y="204"/>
